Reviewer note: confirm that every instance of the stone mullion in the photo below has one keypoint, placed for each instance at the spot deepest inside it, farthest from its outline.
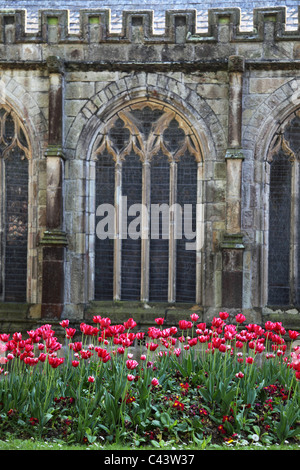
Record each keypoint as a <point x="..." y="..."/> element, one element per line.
<point x="118" y="231"/>
<point x="31" y="258"/>
<point x="172" y="232"/>
<point x="232" y="255"/>
<point x="145" y="254"/>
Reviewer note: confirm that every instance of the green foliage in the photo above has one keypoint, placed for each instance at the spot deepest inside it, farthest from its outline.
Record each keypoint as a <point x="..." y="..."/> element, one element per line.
<point x="288" y="424"/>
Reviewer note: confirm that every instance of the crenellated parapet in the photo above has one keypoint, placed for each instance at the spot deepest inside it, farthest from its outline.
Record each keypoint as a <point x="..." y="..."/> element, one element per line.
<point x="137" y="27"/>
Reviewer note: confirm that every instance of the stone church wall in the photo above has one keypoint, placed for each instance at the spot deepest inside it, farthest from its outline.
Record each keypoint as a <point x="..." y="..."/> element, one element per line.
<point x="236" y="88"/>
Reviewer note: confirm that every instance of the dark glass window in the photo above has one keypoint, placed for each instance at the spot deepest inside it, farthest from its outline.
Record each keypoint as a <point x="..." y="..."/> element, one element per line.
<point x="131" y="246"/>
<point x="14" y="216"/>
<point x="104" y="248"/>
<point x="284" y="219"/>
<point x="159" y="247"/>
<point x="186" y="259"/>
<point x="279" y="230"/>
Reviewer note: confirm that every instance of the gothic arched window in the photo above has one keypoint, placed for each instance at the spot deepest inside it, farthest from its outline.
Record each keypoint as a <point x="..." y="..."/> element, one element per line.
<point x="148" y="166"/>
<point x="14" y="154"/>
<point x="284" y="217"/>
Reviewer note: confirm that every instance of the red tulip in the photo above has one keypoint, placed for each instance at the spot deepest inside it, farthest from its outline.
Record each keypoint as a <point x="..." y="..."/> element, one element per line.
<point x="194" y="317"/>
<point x="55" y="361"/>
<point x="131" y="364"/>
<point x="185" y="325"/>
<point x="4" y="337"/>
<point x="70" y="332"/>
<point x="151" y="346"/>
<point x="154" y="333"/>
<point x="217" y="322"/>
<point x="239" y="375"/>
<point x="293" y="334"/>
<point x="103" y="354"/>
<point x="105" y="322"/>
<point x="130" y="323"/>
<point x="97" y="319"/>
<point x="223" y="315"/>
<point x="77" y="346"/>
<point x="240" y="318"/>
<point x="42" y="357"/>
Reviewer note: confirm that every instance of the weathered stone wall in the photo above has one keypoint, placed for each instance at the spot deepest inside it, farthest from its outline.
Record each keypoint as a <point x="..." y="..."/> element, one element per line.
<point x="235" y="87"/>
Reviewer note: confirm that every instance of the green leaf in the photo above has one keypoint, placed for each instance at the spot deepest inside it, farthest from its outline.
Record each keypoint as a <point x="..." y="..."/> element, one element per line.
<point x="165" y="419"/>
<point x="105" y="428"/>
<point x="155" y="444"/>
<point x="48" y="416"/>
<point x="155" y="422"/>
<point x="294" y="432"/>
<point x="179" y="367"/>
<point x="91" y="438"/>
<point x="189" y="366"/>
<point x="183" y="427"/>
<point x="228" y="426"/>
<point x="250" y="395"/>
<point x="205" y="394"/>
<point x="228" y="397"/>
<point x="21" y="422"/>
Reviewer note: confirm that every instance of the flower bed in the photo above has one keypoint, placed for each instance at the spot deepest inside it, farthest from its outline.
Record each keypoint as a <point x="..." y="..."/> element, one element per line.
<point x="181" y="384"/>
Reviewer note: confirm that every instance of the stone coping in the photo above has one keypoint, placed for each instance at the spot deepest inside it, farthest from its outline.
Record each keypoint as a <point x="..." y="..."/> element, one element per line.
<point x="137" y="26"/>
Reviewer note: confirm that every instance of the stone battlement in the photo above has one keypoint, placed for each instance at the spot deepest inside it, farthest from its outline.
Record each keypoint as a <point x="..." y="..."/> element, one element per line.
<point x="269" y="24"/>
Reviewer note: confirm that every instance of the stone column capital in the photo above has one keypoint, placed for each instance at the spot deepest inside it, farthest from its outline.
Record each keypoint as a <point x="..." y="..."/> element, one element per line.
<point x="54" y="237"/>
<point x="55" y="64"/>
<point x="236" y="63"/>
<point x="234" y="154"/>
<point x="54" y="151"/>
<point x="232" y="241"/>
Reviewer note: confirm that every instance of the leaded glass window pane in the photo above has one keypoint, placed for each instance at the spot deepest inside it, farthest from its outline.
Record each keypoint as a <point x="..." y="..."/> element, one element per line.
<point x="16" y="224"/>
<point x="104" y="248"/>
<point x="131" y="247"/>
<point x="186" y="259"/>
<point x="279" y="230"/>
<point x="159" y="247"/>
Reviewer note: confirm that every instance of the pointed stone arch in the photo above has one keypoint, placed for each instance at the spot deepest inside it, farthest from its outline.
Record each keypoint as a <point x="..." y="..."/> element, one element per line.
<point x="261" y="135"/>
<point x="14" y="162"/>
<point x="154" y="86"/>
<point x="30" y="119"/>
<point x="80" y="139"/>
<point x="154" y="133"/>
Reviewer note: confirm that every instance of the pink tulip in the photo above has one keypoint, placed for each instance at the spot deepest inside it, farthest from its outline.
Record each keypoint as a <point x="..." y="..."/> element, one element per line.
<point x="154" y="382"/>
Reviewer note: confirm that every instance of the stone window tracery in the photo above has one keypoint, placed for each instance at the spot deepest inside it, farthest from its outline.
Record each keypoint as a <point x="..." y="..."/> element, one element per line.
<point x="147" y="154"/>
<point x="14" y="155"/>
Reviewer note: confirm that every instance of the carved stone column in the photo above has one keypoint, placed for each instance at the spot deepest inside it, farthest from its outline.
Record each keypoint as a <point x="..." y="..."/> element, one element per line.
<point x="54" y="239"/>
<point x="232" y="275"/>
